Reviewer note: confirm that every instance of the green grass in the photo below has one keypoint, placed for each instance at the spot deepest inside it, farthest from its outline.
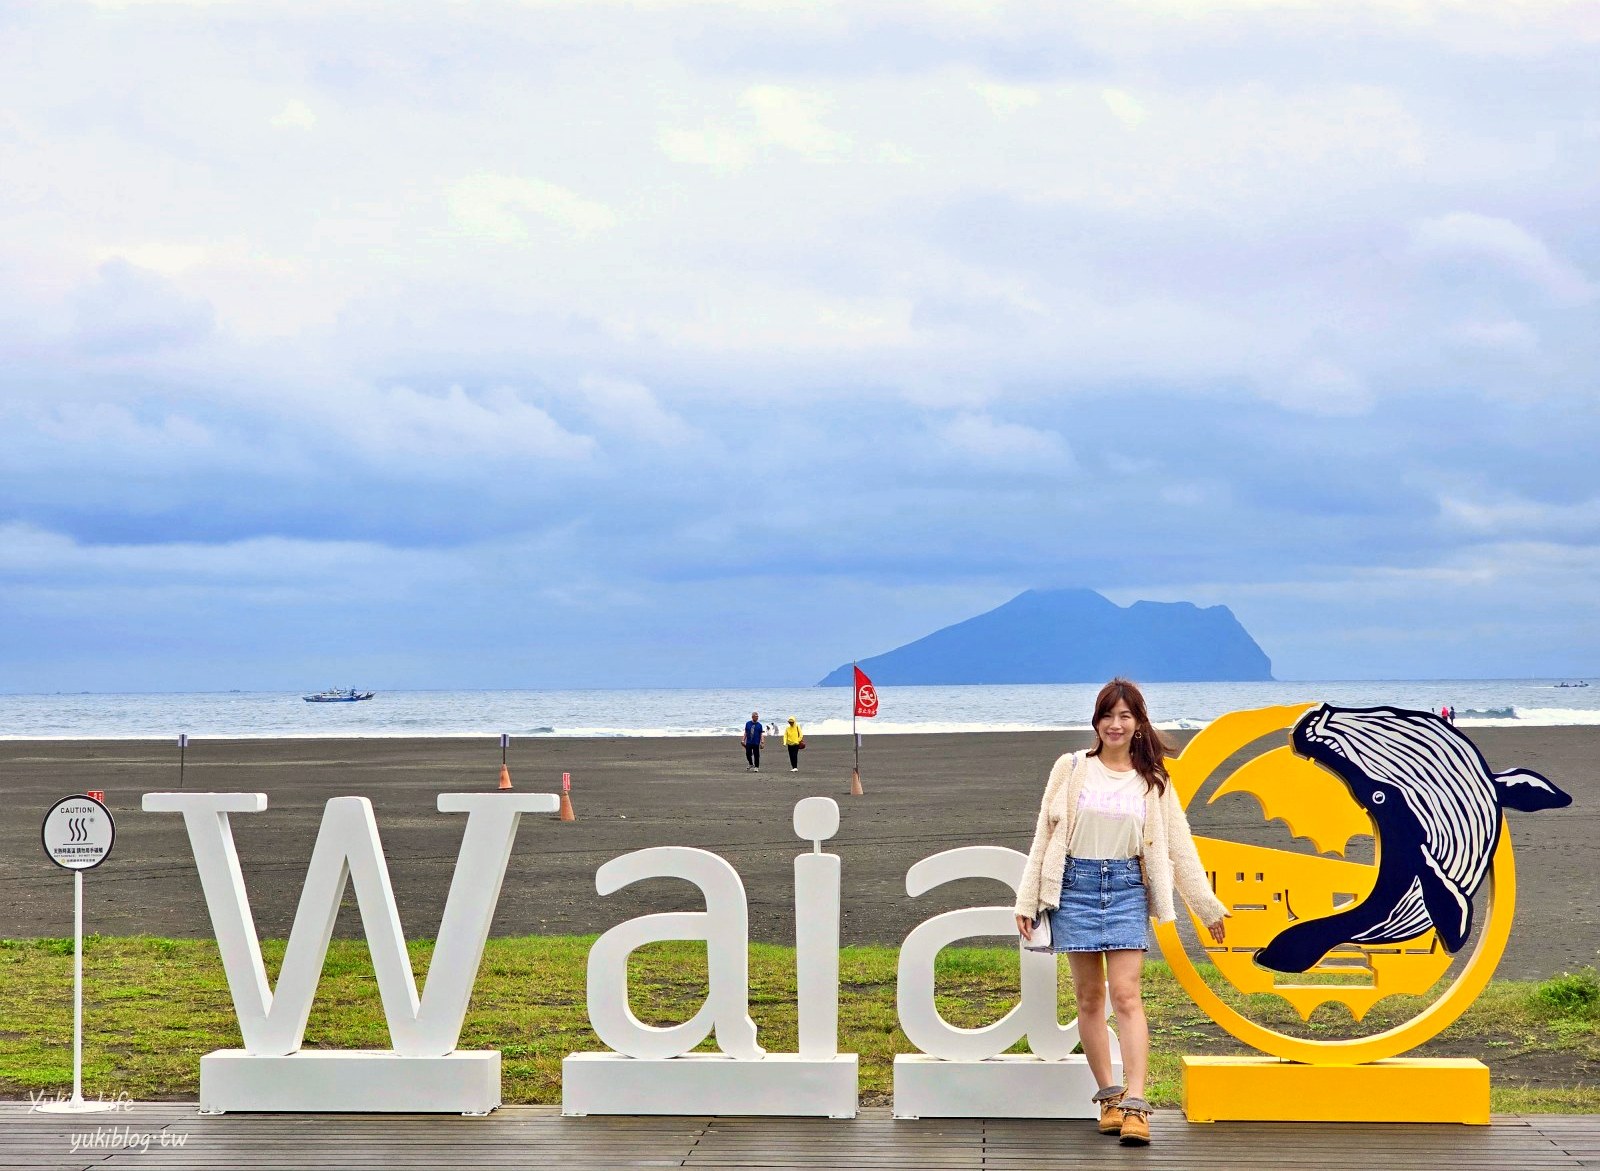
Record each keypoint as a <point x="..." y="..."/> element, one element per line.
<point x="1572" y="997"/>
<point x="154" y="1006"/>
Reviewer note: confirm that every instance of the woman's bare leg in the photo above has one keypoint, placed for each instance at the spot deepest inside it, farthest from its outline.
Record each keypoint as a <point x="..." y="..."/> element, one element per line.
<point x="1123" y="970"/>
<point x="1089" y="989"/>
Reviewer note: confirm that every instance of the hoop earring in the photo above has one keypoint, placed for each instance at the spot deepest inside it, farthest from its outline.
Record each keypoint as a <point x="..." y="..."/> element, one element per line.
<point x="1136" y="735"/>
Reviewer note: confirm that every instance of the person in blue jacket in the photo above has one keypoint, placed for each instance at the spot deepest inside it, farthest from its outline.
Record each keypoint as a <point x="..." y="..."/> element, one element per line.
<point x="754" y="733"/>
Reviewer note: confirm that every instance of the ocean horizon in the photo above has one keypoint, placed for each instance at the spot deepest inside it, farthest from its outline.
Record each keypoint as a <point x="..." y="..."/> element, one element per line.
<point x="633" y="712"/>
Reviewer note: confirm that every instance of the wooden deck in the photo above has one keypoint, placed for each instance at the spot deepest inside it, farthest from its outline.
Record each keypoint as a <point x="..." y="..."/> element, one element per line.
<point x="537" y="1136"/>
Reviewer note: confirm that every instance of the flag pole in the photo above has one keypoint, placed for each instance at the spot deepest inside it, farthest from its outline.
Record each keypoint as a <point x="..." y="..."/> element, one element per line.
<point x="855" y="737"/>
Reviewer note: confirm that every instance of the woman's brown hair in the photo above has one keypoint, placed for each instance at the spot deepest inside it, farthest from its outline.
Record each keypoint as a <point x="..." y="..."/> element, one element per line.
<point x="1148" y="750"/>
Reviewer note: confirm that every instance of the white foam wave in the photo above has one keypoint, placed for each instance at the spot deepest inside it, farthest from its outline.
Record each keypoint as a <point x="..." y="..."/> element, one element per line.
<point x="1544" y="717"/>
<point x="717" y="713"/>
<point x="1524" y="718"/>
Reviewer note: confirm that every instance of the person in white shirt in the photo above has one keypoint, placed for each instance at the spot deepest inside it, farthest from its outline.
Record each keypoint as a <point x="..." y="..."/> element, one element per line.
<point x="1110" y="844"/>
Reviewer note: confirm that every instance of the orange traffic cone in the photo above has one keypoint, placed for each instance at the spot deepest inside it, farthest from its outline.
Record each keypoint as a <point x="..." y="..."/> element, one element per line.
<point x="566" y="798"/>
<point x="505" y="777"/>
<point x="855" y="783"/>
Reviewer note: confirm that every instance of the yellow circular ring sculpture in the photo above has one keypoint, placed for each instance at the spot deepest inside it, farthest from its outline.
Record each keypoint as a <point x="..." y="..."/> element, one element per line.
<point x="1215" y="744"/>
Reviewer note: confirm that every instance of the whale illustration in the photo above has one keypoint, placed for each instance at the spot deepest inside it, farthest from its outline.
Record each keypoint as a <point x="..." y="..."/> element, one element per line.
<point x="1436" y="811"/>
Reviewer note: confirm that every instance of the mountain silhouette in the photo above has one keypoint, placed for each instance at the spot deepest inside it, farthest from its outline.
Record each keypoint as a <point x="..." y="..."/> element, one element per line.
<point x="1075" y="636"/>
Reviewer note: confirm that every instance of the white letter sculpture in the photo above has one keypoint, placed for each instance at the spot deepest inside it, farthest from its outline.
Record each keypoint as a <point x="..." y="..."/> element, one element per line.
<point x="651" y="1070"/>
<point x="725" y="927"/>
<point x="966" y="1073"/>
<point x="424" y="1072"/>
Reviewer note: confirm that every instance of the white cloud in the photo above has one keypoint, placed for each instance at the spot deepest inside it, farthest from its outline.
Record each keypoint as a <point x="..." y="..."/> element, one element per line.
<point x="776" y="118"/>
<point x="1123" y="106"/>
<point x="113" y="428"/>
<point x="792" y="119"/>
<point x="175" y="258"/>
<point x="1469" y="236"/>
<point x="123" y="4"/>
<point x="127" y="309"/>
<point x="296" y="114"/>
<point x="27" y="551"/>
<point x="978" y="436"/>
<point x="497" y="207"/>
<point x="897" y="155"/>
<point x="716" y="147"/>
<point x="1320" y="387"/>
<point x="1521" y="520"/>
<point x="1006" y="100"/>
<point x="738" y="316"/>
<point x="399" y="424"/>
<point x="630" y="408"/>
<point x="1497" y="336"/>
<point x="73" y="448"/>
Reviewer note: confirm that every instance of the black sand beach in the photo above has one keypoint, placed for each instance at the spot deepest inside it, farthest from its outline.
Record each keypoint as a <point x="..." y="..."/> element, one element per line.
<point x="924" y="794"/>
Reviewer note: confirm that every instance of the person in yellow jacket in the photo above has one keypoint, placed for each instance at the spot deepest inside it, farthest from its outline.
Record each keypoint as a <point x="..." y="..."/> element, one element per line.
<point x="794" y="740"/>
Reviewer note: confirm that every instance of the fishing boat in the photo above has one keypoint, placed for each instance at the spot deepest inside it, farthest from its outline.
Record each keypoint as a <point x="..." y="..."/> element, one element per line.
<point x="336" y="695"/>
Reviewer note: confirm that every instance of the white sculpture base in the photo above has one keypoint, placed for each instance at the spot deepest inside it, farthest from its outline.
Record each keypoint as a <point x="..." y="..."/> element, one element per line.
<point x="710" y="1083"/>
<point x="1012" y="1085"/>
<point x="366" y="1081"/>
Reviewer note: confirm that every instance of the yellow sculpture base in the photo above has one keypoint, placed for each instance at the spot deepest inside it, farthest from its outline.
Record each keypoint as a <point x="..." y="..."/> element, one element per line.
<point x="1402" y="1089"/>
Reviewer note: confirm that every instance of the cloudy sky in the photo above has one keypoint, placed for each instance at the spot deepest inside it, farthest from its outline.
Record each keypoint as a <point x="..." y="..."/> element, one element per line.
<point x="664" y="343"/>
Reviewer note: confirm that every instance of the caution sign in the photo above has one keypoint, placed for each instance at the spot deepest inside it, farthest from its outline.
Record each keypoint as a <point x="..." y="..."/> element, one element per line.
<point x="78" y="832"/>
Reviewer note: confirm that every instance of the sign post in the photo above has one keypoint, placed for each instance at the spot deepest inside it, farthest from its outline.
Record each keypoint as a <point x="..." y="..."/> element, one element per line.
<point x="183" y="748"/>
<point x="77" y="835"/>
<point x="505" y="773"/>
<point x="865" y="707"/>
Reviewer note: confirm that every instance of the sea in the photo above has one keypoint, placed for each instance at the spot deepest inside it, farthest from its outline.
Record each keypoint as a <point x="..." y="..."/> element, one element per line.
<point x="722" y="711"/>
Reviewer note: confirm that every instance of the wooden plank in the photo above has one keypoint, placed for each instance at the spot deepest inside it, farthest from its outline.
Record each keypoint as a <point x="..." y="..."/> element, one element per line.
<point x="519" y="1136"/>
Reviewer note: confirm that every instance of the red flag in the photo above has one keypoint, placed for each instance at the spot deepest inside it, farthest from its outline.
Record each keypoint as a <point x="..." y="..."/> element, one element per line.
<point x="866" y="696"/>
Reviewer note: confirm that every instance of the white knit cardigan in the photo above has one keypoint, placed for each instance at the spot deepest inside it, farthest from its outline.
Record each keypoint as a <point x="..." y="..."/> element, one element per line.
<point x="1169" y="856"/>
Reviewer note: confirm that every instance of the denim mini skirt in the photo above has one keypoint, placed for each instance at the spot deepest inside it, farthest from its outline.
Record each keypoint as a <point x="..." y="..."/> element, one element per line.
<point x="1103" y="907"/>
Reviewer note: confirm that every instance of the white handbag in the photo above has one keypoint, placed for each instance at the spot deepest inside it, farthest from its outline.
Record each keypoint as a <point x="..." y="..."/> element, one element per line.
<point x="1040" y="938"/>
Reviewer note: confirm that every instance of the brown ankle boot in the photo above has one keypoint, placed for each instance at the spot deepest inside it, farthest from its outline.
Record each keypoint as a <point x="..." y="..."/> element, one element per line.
<point x="1135" y="1122"/>
<point x="1110" y="1101"/>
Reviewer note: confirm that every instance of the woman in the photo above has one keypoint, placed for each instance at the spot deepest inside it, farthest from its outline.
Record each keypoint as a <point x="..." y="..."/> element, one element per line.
<point x="1111" y="842"/>
<point x="792" y="736"/>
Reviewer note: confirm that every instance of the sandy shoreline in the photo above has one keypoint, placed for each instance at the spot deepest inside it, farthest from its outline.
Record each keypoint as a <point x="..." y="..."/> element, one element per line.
<point x="925" y="793"/>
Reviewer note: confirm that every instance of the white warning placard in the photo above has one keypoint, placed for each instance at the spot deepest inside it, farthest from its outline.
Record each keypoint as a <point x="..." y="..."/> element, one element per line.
<point x="78" y="832"/>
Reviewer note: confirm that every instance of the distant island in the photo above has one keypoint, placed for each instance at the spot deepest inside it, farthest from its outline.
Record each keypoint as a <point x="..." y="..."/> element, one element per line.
<point x="1075" y="636"/>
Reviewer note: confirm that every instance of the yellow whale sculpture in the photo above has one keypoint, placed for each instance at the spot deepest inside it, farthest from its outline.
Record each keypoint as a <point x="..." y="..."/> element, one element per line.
<point x="1266" y="889"/>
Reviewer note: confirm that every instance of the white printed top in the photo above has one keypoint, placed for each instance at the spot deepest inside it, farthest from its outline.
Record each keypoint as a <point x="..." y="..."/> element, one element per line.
<point x="1170" y="858"/>
<point x="1110" y="819"/>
